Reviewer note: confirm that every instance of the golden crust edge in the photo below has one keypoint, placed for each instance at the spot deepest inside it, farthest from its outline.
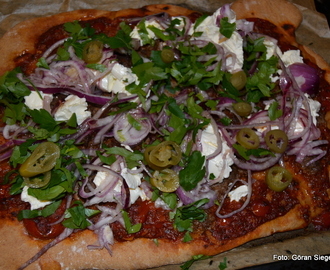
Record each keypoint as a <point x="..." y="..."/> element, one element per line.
<point x="72" y="253"/>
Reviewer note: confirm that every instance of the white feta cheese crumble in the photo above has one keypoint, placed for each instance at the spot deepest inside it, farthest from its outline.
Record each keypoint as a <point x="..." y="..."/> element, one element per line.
<point x="73" y="104"/>
<point x="272" y="48"/>
<point x="100" y="178"/>
<point x="315" y="107"/>
<point x="116" y="81"/>
<point x="133" y="181"/>
<point x="34" y="202"/>
<point x="291" y="56"/>
<point x="135" y="32"/>
<point x="234" y="52"/>
<point x="219" y="166"/>
<point x="209" y="29"/>
<point x="233" y="46"/>
<point x="34" y="102"/>
<point x="238" y="193"/>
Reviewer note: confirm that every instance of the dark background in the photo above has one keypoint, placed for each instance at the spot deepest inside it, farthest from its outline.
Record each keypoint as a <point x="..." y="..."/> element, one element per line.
<point x="323" y="6"/>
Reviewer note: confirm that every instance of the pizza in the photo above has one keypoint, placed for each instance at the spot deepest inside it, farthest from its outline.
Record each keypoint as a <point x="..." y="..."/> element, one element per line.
<point x="144" y="137"/>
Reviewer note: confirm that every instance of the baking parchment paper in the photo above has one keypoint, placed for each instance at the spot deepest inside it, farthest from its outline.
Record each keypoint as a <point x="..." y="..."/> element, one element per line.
<point x="313" y="32"/>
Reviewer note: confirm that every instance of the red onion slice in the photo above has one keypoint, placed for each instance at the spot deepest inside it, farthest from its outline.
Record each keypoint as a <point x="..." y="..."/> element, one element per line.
<point x="125" y="133"/>
<point x="306" y="77"/>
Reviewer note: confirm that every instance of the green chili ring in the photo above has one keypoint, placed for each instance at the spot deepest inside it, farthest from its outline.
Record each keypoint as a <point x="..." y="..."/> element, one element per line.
<point x="278" y="178"/>
<point x="42" y="160"/>
<point x="248" y="138"/>
<point x="166" y="180"/>
<point x="276" y="140"/>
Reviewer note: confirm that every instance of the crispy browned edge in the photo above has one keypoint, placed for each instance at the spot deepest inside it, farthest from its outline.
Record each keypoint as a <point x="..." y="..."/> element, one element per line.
<point x="16" y="246"/>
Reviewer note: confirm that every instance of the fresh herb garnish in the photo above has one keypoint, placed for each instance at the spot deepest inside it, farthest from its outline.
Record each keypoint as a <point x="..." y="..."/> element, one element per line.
<point x="128" y="224"/>
<point x="223" y="265"/>
<point x="44" y="212"/>
<point x="274" y="112"/>
<point x="195" y="258"/>
<point x="227" y="28"/>
<point x="246" y="153"/>
<point x="76" y="216"/>
<point x="184" y="216"/>
<point x="193" y="171"/>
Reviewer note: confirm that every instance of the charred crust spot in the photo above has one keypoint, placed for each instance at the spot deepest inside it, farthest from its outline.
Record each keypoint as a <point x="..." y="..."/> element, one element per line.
<point x="288" y="27"/>
<point x="144" y="8"/>
<point x="166" y="8"/>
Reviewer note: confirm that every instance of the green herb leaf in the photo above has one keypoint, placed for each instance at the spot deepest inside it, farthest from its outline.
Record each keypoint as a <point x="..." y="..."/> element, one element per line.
<point x="42" y="63"/>
<point x="128" y="225"/>
<point x="175" y="109"/>
<point x="44" y="119"/>
<point x="135" y="123"/>
<point x="98" y="67"/>
<point x="62" y="54"/>
<point x="170" y="199"/>
<point x="12" y="88"/>
<point x="132" y="158"/>
<point x="47" y="194"/>
<point x="227" y="28"/>
<point x="195" y="258"/>
<point x="179" y="128"/>
<point x="122" y="38"/>
<point x="193" y="171"/>
<point x="14" y="112"/>
<point x="76" y="216"/>
<point x="187" y="237"/>
<point x="185" y="215"/>
<point x="223" y="265"/>
<point x="246" y="153"/>
<point x="200" y="20"/>
<point x="274" y="112"/>
<point x="44" y="212"/>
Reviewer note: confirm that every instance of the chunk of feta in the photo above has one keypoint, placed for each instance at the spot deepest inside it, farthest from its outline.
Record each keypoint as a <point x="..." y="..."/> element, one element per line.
<point x="34" y="202"/>
<point x="73" y="104"/>
<point x="34" y="101"/>
<point x="238" y="193"/>
<point x="272" y="48"/>
<point x="233" y="46"/>
<point x="219" y="166"/>
<point x="209" y="29"/>
<point x="151" y="35"/>
<point x="119" y="77"/>
<point x="209" y="26"/>
<point x="291" y="56"/>
<point x="315" y="107"/>
<point x="133" y="181"/>
<point x="234" y="52"/>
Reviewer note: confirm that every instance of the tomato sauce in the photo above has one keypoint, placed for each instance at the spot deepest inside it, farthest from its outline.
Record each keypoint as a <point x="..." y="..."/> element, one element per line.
<point x="10" y="205"/>
<point x="48" y="227"/>
<point x="156" y="223"/>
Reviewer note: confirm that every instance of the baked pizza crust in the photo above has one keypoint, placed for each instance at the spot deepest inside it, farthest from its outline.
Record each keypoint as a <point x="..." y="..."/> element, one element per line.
<point x="73" y="253"/>
<point x="17" y="247"/>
